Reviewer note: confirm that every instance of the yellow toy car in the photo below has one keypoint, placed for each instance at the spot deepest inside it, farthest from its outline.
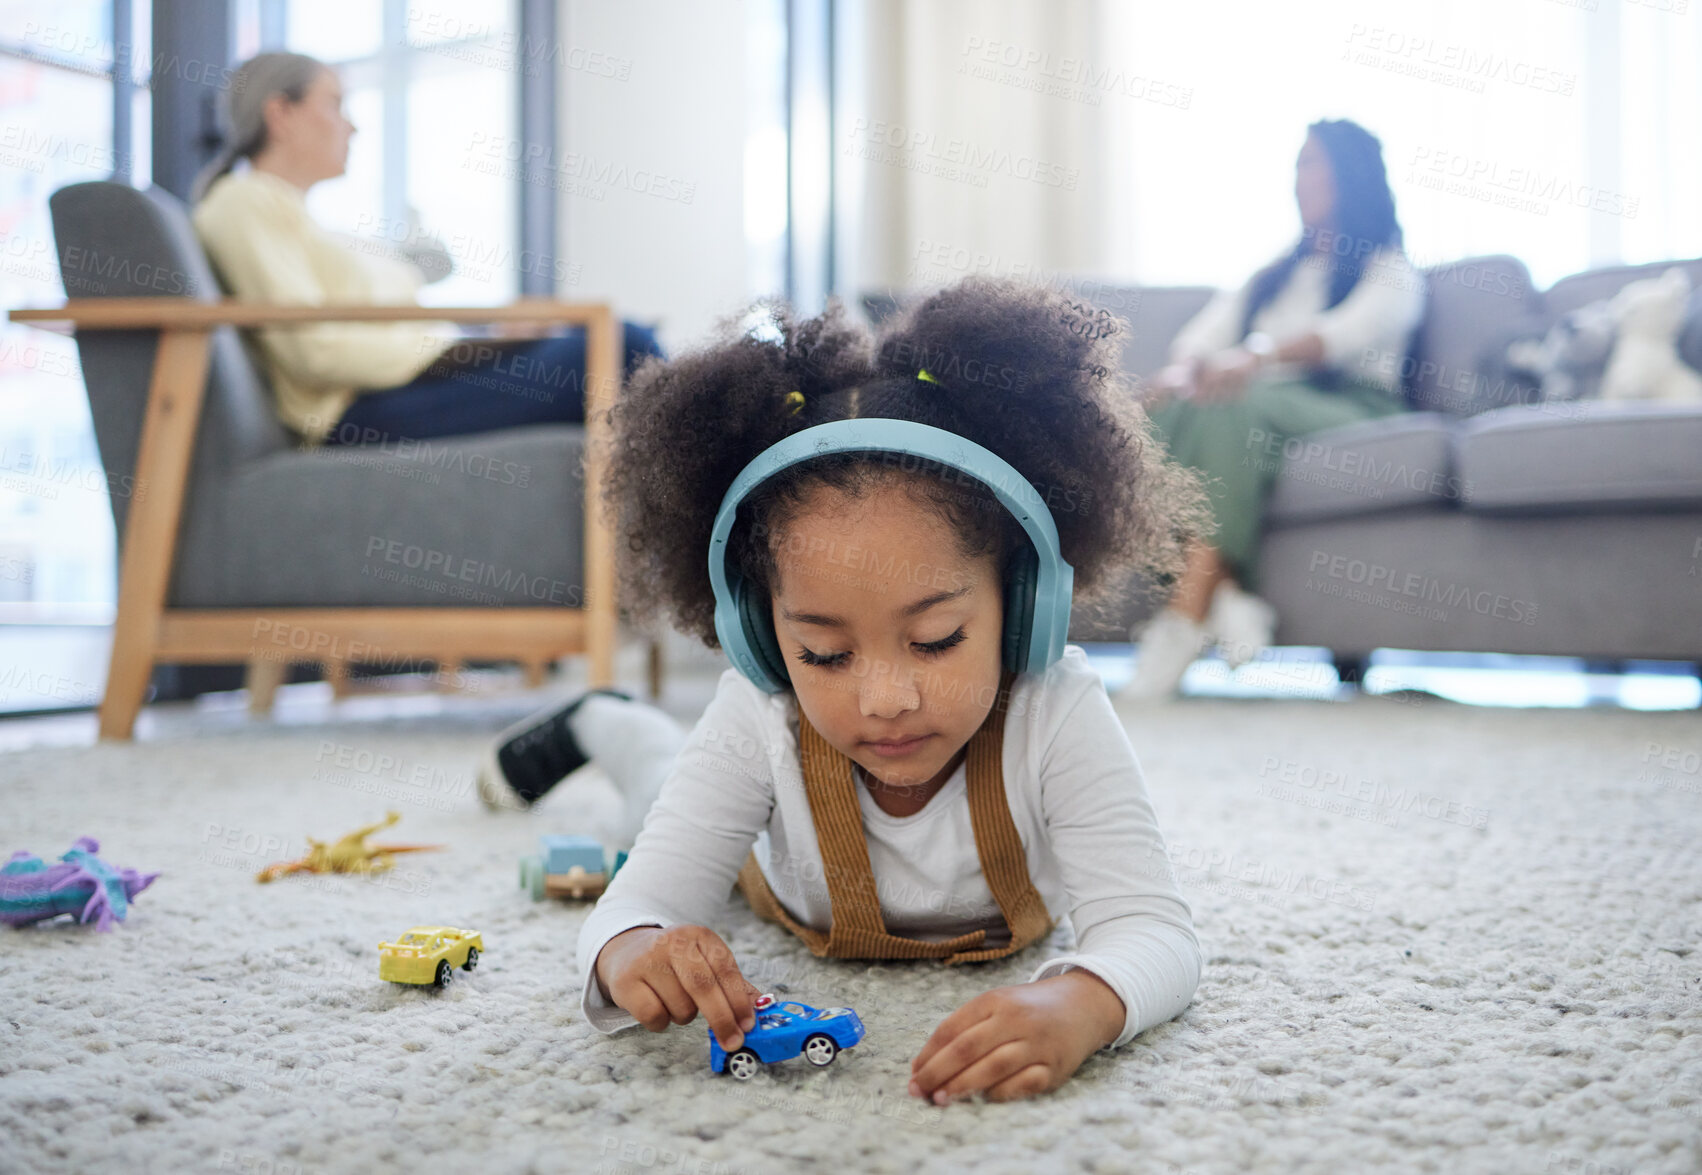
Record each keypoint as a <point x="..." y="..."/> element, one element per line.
<point x="429" y="954"/>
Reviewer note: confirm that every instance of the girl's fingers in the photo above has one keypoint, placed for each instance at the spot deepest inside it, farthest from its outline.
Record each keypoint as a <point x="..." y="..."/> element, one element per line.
<point x="740" y="992"/>
<point x="667" y="987"/>
<point x="646" y="1007"/>
<point x="962" y="1054"/>
<point x="1035" y="1079"/>
<point x="705" y="990"/>
<point x="949" y="1029"/>
<point x="1002" y="1062"/>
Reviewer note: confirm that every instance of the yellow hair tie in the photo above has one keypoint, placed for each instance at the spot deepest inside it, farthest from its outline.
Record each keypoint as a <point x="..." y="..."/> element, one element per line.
<point x="796" y="400"/>
<point x="925" y="374"/>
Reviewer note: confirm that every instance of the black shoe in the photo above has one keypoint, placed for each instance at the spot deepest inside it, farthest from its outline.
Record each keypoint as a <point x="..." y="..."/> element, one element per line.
<point x="531" y="757"/>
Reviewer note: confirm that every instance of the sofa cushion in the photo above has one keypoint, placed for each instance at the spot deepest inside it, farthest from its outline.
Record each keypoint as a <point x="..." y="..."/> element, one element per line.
<point x="1395" y="463"/>
<point x="1582" y="585"/>
<point x="1589" y="455"/>
<point x="492" y="519"/>
<point x="1470" y="306"/>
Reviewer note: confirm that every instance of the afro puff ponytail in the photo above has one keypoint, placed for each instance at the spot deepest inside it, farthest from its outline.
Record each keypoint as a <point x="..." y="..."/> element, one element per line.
<point x="1034" y="375"/>
<point x="1025" y="371"/>
<point x="684" y="429"/>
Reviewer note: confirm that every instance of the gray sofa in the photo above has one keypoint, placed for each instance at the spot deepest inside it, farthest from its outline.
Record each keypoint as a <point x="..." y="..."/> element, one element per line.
<point x="1477" y="522"/>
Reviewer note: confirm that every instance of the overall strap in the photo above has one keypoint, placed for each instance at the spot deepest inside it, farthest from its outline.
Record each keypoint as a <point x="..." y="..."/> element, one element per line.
<point x="857" y="930"/>
<point x="1003" y="861"/>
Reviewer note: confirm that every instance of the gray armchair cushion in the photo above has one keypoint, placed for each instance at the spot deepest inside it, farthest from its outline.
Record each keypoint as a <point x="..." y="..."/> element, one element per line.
<point x="1395" y="463"/>
<point x="1584" y="456"/>
<point x="494" y="519"/>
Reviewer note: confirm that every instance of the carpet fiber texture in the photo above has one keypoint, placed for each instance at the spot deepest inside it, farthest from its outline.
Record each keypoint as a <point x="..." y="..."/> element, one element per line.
<point x="1436" y="939"/>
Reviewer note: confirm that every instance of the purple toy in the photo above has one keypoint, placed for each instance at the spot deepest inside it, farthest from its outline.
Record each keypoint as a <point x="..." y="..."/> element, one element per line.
<point x="83" y="885"/>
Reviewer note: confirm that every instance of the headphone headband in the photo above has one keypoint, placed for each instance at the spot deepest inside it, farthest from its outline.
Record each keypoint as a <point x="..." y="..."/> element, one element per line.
<point x="1054" y="580"/>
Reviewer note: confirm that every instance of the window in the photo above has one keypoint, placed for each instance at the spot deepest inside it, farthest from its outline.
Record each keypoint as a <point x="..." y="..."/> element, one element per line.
<point x="63" y="76"/>
<point x="432" y="89"/>
<point x="1555" y="132"/>
<point x="766" y="156"/>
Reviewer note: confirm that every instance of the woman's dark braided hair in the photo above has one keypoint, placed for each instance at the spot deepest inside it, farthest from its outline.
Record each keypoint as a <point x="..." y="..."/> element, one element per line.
<point x="1026" y="371"/>
<point x="1364" y="217"/>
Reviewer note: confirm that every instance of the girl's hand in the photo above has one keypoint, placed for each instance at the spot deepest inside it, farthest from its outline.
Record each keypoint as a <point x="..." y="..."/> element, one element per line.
<point x="672" y="975"/>
<point x="1015" y="1042"/>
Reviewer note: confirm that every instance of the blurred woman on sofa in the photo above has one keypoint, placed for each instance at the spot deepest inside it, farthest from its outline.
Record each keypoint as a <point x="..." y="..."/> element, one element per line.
<point x="359" y="383"/>
<point x="1315" y="340"/>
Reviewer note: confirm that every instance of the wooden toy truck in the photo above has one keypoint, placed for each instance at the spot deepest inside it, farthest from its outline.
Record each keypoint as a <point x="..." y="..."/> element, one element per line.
<point x="568" y="867"/>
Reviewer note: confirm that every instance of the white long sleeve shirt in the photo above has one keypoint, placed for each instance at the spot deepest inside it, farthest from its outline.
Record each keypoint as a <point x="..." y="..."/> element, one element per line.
<point x="1365" y="335"/>
<point x="1076" y="795"/>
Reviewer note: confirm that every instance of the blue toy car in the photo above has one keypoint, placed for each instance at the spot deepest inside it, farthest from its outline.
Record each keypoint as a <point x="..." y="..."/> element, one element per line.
<point x="783" y="1031"/>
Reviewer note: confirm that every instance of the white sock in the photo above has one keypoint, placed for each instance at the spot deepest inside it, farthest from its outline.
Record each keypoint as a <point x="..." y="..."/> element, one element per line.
<point x="633" y="743"/>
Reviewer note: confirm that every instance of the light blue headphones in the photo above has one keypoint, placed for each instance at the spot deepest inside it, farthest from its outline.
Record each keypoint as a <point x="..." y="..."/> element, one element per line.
<point x="1037" y="588"/>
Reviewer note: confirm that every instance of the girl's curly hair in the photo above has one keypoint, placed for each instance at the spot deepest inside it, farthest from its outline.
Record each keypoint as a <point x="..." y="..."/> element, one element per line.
<point x="1023" y="370"/>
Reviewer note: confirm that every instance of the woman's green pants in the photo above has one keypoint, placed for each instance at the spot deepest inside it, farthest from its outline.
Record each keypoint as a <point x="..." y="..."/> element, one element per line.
<point x="1237" y="447"/>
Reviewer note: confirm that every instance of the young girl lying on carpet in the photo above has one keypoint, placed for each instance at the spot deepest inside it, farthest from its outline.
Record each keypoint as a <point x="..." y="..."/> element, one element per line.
<point x="924" y="768"/>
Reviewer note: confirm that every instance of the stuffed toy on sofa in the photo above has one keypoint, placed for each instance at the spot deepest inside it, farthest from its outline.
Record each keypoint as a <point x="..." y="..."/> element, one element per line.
<point x="1645" y="364"/>
<point x="1566" y="362"/>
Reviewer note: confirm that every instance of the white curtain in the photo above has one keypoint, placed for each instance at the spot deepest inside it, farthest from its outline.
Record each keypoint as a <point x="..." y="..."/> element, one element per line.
<point x="951" y="163"/>
<point x="1565" y="132"/>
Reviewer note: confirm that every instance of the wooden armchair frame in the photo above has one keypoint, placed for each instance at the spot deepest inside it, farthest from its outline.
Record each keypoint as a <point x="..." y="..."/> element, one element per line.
<point x="147" y="632"/>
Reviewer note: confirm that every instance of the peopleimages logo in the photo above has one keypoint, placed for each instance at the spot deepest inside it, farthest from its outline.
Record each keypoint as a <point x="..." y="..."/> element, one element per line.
<point x="573" y="171"/>
<point x="439" y="567"/>
<point x="1488" y="179"/>
<point x="888" y="142"/>
<point x="1419" y="586"/>
<point x="1451" y="64"/>
<point x="1064" y="77"/>
<point x="1304" y="783"/>
<point x="1303" y="459"/>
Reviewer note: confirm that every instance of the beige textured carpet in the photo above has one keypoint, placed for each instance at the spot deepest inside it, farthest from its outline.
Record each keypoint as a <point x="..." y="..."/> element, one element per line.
<point x="1437" y="939"/>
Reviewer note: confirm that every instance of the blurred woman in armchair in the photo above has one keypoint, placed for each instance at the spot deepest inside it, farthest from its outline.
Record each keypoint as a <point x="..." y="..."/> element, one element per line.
<point x="1315" y="340"/>
<point x="359" y="383"/>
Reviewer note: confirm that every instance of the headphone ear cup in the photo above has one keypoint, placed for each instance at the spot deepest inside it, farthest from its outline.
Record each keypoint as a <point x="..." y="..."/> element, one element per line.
<point x="1019" y="608"/>
<point x="756" y="620"/>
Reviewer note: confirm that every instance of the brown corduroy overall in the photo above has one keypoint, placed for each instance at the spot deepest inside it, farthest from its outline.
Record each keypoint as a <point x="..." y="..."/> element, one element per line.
<point x="857" y="930"/>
